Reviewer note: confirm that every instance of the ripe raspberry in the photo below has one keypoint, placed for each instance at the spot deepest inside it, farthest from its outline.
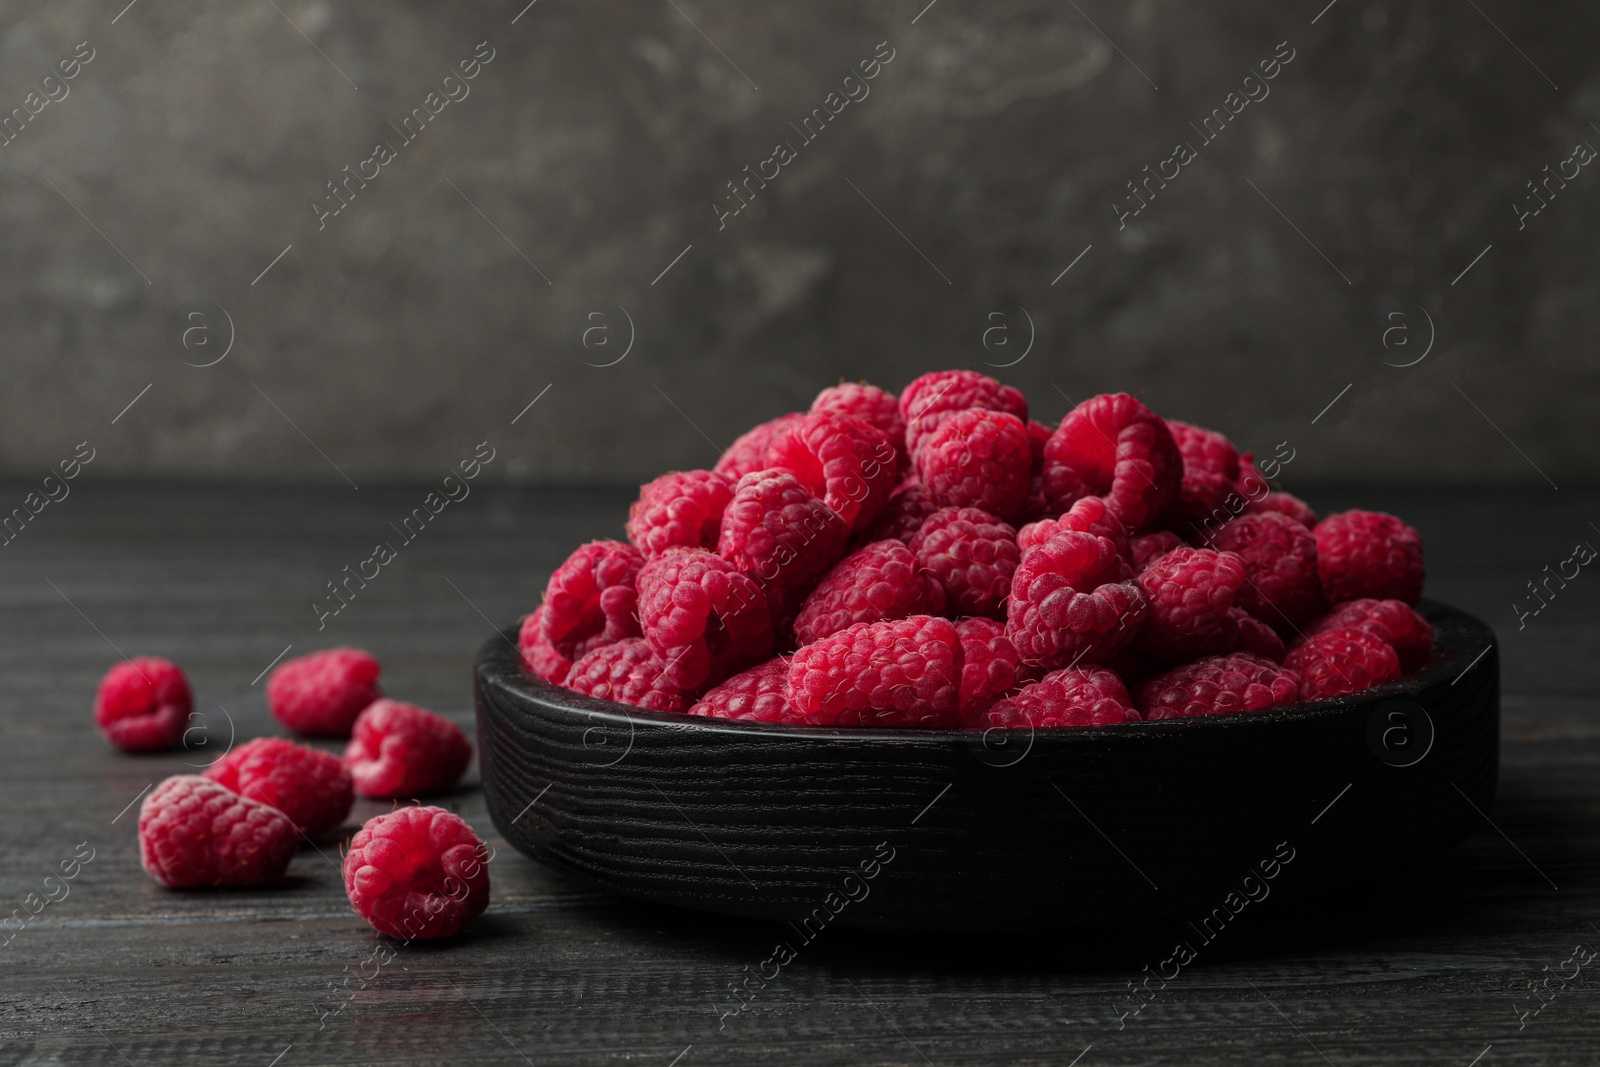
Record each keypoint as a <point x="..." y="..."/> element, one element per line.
<point x="1369" y="554"/>
<point x="978" y="459"/>
<point x="902" y="516"/>
<point x="1218" y="685"/>
<point x="1073" y="600"/>
<point x="1089" y="515"/>
<point x="1256" y="637"/>
<point x="538" y="654"/>
<point x="417" y="874"/>
<point x="1252" y="484"/>
<point x="905" y="672"/>
<point x="871" y="405"/>
<point x="195" y="834"/>
<point x="702" y="616"/>
<point x="592" y="598"/>
<point x="851" y="466"/>
<point x="1147" y="548"/>
<point x="1392" y="621"/>
<point x="1343" y="661"/>
<point x="143" y="704"/>
<point x="1113" y="446"/>
<point x="322" y="693"/>
<point x="937" y="395"/>
<point x="1280" y="564"/>
<point x="628" y="673"/>
<point x="749" y="450"/>
<point x="1073" y="697"/>
<point x="881" y="581"/>
<point x="778" y="533"/>
<point x="312" y="788"/>
<point x="1210" y="471"/>
<point x="682" y="508"/>
<point x="1038" y="504"/>
<point x="400" y="750"/>
<point x="972" y="554"/>
<point x="756" y="695"/>
<point x="1191" y="593"/>
<point x="1285" y="504"/>
<point x="990" y="666"/>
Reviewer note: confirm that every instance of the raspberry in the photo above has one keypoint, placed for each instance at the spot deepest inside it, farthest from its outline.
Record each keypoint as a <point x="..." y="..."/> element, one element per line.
<point x="538" y="654"/>
<point x="592" y="598"/>
<point x="1113" y="446"/>
<point x="1285" y="504"/>
<point x="990" y="666"/>
<point x="935" y="396"/>
<point x="312" y="788"/>
<point x="1369" y="554"/>
<point x="143" y="704"/>
<point x="778" y="533"/>
<point x="1038" y="504"/>
<point x="1147" y="548"/>
<point x="881" y="581"/>
<point x="1280" y="563"/>
<point x="871" y="405"/>
<point x="322" y="693"/>
<point x="1392" y="621"/>
<point x="628" y="673"/>
<point x="702" y="616"/>
<point x="1252" y="484"/>
<point x="1073" y="697"/>
<point x="1256" y="637"/>
<point x="902" y="516"/>
<point x="681" y="508"/>
<point x="756" y="695"/>
<point x="1073" y="599"/>
<point x="1218" y="685"/>
<point x="749" y="450"/>
<point x="196" y="834"/>
<point x="1343" y="661"/>
<point x="417" y="874"/>
<point x="1089" y="515"/>
<point x="904" y="672"/>
<point x="972" y="554"/>
<point x="851" y="466"/>
<point x="1210" y="471"/>
<point x="1191" y="592"/>
<point x="400" y="750"/>
<point x="978" y="459"/>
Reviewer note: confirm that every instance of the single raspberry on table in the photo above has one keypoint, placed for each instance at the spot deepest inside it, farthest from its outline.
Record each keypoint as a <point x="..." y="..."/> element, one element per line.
<point x="873" y="406"/>
<point x="683" y="508"/>
<point x="321" y="694"/>
<point x="1218" y="685"/>
<point x="937" y="395"/>
<point x="1369" y="554"/>
<point x="1191" y="592"/>
<point x="627" y="672"/>
<point x="1256" y="637"/>
<point x="851" y="466"/>
<point x="702" y="616"/>
<point x="905" y="672"/>
<point x="312" y="788"/>
<point x="759" y="694"/>
<point x="902" y="516"/>
<point x="882" y="581"/>
<point x="1147" y="548"/>
<point x="143" y="704"/>
<point x="401" y="750"/>
<point x="972" y="554"/>
<point x="538" y="653"/>
<point x="1210" y="472"/>
<point x="749" y="450"/>
<point x="1114" y="447"/>
<point x="1280" y="560"/>
<point x="1073" y="697"/>
<point x="1341" y="661"/>
<point x="1285" y="504"/>
<point x="197" y="834"/>
<point x="978" y="459"/>
<point x="1394" y="621"/>
<point x="592" y="598"/>
<point x="1073" y="600"/>
<point x="990" y="666"/>
<point x="778" y="533"/>
<point x="417" y="874"/>
<point x="1090" y="515"/>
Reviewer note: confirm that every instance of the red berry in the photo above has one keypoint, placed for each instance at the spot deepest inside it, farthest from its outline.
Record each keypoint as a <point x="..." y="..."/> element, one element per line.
<point x="627" y="672"/>
<point x="881" y="581"/>
<point x="1072" y="697"/>
<point x="990" y="666"/>
<point x="1256" y="637"/>
<point x="1115" y="447"/>
<point x="196" y="834"/>
<point x="1369" y="554"/>
<point x="1210" y="471"/>
<point x="321" y="694"/>
<point x="905" y="672"/>
<point x="972" y="554"/>
<point x="1191" y="593"/>
<point x="538" y="654"/>
<point x="851" y="466"/>
<point x="1073" y="600"/>
<point x="1285" y="504"/>
<point x="682" y="508"/>
<point x="1393" y="621"/>
<point x="1280" y="561"/>
<point x="871" y="405"/>
<point x="417" y="874"/>
<point x="902" y="516"/>
<point x="937" y="395"/>
<point x="1218" y="685"/>
<point x="143" y="704"/>
<point x="778" y="533"/>
<point x="1341" y="661"/>
<point x="1089" y="515"/>
<point x="759" y="694"/>
<point x="978" y="459"/>
<point x="749" y="450"/>
<point x="592" y="598"/>
<point x="400" y="750"/>
<point x="1147" y="548"/>
<point x="702" y="616"/>
<point x="1038" y="504"/>
<point x="312" y="788"/>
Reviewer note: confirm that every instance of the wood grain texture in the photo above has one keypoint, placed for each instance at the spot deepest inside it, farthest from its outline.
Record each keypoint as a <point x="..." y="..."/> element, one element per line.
<point x="1410" y="965"/>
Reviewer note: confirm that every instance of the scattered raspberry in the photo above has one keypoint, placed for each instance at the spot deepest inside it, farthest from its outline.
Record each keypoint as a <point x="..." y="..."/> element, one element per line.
<point x="902" y="516"/>
<point x="196" y="834"/>
<point x="1089" y="515"/>
<point x="1392" y="621"/>
<point x="1256" y="637"/>
<point x="990" y="666"/>
<point x="417" y="874"/>
<point x="851" y="466"/>
<point x="1343" y="661"/>
<point x="400" y="750"/>
<point x="881" y="581"/>
<point x="1113" y="446"/>
<point x="321" y="694"/>
<point x="312" y="788"/>
<point x="905" y="672"/>
<point x="682" y="508"/>
<point x="1280" y="560"/>
<point x="1210" y="471"/>
<point x="702" y="616"/>
<point x="1190" y="592"/>
<point x="628" y="673"/>
<point x="871" y="405"/>
<point x="1073" y="600"/>
<point x="759" y="694"/>
<point x="1369" y="554"/>
<point x="1073" y="697"/>
<point x="1218" y="685"/>
<point x="143" y="704"/>
<point x="935" y="396"/>
<point x="1285" y="504"/>
<point x="592" y="598"/>
<point x="538" y="654"/>
<point x="1147" y="548"/>
<point x="778" y="533"/>
<point x="978" y="459"/>
<point x="749" y="450"/>
<point x="972" y="554"/>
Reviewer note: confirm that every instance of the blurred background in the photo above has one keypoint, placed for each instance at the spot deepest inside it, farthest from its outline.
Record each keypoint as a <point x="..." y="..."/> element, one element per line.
<point x="1352" y="258"/>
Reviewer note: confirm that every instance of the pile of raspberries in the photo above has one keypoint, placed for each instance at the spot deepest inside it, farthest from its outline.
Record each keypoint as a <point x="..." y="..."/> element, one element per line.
<point x="938" y="559"/>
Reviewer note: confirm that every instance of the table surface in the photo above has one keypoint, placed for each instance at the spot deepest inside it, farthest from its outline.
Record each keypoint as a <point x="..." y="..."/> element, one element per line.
<point x="1430" y="964"/>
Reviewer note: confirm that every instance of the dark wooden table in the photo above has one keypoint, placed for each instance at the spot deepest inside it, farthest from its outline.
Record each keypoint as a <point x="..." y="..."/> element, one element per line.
<point x="1429" y="965"/>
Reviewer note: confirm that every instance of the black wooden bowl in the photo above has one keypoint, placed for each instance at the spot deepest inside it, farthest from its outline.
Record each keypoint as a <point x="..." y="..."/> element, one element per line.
<point x="948" y="829"/>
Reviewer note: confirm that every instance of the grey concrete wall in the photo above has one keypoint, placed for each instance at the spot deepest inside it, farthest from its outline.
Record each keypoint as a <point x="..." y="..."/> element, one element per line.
<point x="928" y="223"/>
